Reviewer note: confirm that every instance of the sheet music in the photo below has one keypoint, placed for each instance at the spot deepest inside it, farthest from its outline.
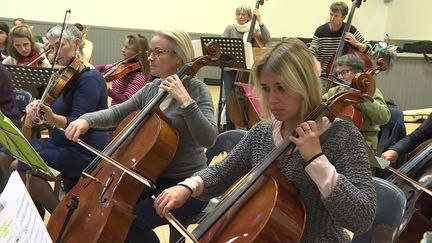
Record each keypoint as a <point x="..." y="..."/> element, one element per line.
<point x="19" y="218"/>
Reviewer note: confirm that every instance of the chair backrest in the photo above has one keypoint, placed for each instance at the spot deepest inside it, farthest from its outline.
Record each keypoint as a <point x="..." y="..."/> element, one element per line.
<point x="225" y="142"/>
<point x="22" y="99"/>
<point x="391" y="204"/>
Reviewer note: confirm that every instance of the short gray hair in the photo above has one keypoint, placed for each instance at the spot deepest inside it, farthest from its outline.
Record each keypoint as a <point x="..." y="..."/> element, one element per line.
<point x="70" y="33"/>
<point x="352" y="61"/>
<point x="244" y="8"/>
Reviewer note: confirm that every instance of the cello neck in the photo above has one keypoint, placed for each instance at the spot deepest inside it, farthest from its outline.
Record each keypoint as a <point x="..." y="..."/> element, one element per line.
<point x="252" y="24"/>
<point x="346" y="29"/>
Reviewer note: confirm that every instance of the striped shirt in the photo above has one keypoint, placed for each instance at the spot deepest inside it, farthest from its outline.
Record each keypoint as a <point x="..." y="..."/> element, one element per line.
<point x="325" y="43"/>
<point x="126" y="86"/>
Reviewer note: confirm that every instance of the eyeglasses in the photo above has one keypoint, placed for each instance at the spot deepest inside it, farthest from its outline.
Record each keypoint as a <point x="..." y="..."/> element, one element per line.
<point x="157" y="52"/>
<point x="343" y="72"/>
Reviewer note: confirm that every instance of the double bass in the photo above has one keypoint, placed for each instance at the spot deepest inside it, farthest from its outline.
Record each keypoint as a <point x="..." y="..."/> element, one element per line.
<point x="346" y="48"/>
<point x="243" y="108"/>
<point x="100" y="206"/>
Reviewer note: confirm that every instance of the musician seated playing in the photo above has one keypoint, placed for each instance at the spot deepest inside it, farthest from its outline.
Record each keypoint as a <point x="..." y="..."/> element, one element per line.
<point x="85" y="93"/>
<point x="410" y="142"/>
<point x="374" y="113"/>
<point x="188" y="106"/>
<point x="128" y="82"/>
<point x="330" y="165"/>
<point x="23" y="49"/>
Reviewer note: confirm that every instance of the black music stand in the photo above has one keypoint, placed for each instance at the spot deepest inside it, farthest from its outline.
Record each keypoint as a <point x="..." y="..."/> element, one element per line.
<point x="232" y="56"/>
<point x="32" y="79"/>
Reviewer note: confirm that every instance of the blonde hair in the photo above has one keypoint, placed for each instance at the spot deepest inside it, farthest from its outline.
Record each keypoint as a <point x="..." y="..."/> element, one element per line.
<point x="181" y="43"/>
<point x="292" y="61"/>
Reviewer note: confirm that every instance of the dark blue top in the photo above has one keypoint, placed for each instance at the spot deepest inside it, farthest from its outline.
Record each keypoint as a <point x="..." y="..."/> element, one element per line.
<point x="87" y="93"/>
<point x="418" y="136"/>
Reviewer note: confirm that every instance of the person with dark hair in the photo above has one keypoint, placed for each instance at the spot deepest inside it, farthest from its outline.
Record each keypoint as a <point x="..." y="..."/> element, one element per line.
<point x="374" y="113"/>
<point x="4" y="32"/>
<point x="23" y="49"/>
<point x="329" y="166"/>
<point x="87" y="92"/>
<point x="7" y="98"/>
<point x="134" y="50"/>
<point x="326" y="38"/>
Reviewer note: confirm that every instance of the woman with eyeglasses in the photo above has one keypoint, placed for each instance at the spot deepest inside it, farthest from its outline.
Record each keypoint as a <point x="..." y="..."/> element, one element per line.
<point x="189" y="107"/>
<point x="132" y="73"/>
<point x="374" y="113"/>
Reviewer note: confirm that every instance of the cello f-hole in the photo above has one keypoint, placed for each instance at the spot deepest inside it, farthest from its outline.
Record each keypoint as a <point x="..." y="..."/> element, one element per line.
<point x="411" y="195"/>
<point x="104" y="198"/>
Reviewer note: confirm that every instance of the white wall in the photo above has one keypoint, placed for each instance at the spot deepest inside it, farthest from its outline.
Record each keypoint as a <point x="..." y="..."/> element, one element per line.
<point x="399" y="18"/>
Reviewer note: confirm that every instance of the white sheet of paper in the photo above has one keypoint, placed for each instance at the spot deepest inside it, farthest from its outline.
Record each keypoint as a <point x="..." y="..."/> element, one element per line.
<point x="19" y="218"/>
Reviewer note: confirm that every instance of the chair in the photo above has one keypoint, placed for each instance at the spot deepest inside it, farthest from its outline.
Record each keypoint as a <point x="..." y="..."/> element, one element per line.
<point x="225" y="142"/>
<point x="391" y="204"/>
<point x="22" y="99"/>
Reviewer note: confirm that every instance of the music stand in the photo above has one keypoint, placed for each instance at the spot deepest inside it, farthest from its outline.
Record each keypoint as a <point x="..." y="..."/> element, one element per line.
<point x="32" y="79"/>
<point x="232" y="56"/>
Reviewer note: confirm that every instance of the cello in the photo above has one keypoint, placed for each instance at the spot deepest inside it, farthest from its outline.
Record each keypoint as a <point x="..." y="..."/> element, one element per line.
<point x="265" y="197"/>
<point x="100" y="207"/>
<point x="363" y="81"/>
<point x="418" y="213"/>
<point x="346" y="48"/>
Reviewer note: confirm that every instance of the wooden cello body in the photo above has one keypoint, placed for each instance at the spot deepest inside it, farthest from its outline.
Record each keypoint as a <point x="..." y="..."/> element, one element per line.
<point x="105" y="210"/>
<point x="264" y="205"/>
<point x="103" y="201"/>
<point x="418" y="215"/>
<point x="244" y="109"/>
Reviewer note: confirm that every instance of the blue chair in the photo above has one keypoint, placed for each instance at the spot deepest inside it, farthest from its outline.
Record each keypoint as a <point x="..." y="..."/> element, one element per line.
<point x="391" y="204"/>
<point x="225" y="142"/>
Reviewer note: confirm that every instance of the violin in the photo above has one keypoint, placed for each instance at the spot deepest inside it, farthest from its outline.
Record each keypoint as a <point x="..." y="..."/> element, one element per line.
<point x="39" y="59"/>
<point x="264" y="196"/>
<point x="35" y="59"/>
<point x="346" y="48"/>
<point x="57" y="84"/>
<point x="99" y="208"/>
<point x="122" y="68"/>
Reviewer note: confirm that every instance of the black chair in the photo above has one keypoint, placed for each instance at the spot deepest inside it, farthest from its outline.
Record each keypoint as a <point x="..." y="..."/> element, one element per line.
<point x="22" y="99"/>
<point x="391" y="203"/>
<point x="225" y="142"/>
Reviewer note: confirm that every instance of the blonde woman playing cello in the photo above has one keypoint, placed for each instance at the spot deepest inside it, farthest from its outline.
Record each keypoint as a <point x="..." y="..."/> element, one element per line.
<point x="330" y="166"/>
